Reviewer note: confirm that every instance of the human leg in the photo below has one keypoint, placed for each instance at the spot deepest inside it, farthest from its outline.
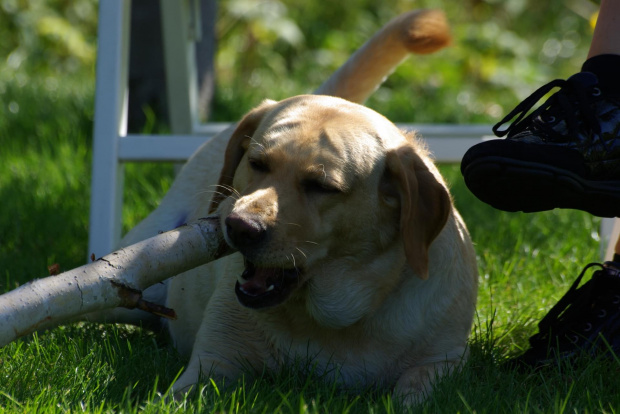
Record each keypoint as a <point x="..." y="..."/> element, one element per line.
<point x="606" y="37"/>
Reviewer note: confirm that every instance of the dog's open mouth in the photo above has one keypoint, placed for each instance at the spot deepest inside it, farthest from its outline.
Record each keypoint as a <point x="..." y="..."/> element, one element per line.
<point x="264" y="287"/>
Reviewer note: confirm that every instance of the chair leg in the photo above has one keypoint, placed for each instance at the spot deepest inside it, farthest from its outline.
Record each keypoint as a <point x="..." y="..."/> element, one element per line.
<point x="110" y="124"/>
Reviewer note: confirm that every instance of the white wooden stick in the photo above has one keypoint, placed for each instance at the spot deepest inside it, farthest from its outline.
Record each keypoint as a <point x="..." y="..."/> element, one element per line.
<point x="114" y="280"/>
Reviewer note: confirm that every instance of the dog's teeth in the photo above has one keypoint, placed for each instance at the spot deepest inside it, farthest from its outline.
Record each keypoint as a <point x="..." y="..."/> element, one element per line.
<point x="270" y="288"/>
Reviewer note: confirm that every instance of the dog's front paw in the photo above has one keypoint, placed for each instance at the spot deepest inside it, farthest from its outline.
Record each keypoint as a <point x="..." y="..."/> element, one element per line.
<point x="416" y="384"/>
<point x="185" y="385"/>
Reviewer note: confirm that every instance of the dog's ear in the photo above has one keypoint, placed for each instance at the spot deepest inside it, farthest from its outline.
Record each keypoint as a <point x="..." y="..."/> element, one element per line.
<point x="237" y="146"/>
<point x="424" y="204"/>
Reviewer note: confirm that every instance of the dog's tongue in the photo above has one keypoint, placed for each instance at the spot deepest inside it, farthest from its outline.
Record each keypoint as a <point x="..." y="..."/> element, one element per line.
<point x="259" y="280"/>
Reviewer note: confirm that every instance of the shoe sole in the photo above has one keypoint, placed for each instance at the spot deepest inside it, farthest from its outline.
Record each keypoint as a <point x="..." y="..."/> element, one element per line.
<point x="514" y="185"/>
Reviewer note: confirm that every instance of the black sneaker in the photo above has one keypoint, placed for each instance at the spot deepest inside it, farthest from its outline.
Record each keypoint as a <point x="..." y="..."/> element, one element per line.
<point x="565" y="154"/>
<point x="585" y="321"/>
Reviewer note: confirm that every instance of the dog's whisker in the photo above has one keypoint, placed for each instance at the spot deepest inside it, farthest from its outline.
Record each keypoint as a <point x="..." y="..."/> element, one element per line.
<point x="230" y="191"/>
<point x="209" y="191"/>
<point x="225" y="195"/>
<point x="294" y="224"/>
<point x="302" y="252"/>
<point x="258" y="144"/>
<point x="230" y="187"/>
<point x="225" y="186"/>
<point x="216" y="202"/>
<point x="311" y="242"/>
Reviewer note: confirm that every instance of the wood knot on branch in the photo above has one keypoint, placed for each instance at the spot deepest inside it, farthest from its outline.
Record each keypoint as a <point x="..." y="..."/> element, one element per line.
<point x="132" y="299"/>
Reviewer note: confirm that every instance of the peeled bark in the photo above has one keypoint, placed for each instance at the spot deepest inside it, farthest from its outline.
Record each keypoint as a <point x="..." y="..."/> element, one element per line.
<point x="111" y="281"/>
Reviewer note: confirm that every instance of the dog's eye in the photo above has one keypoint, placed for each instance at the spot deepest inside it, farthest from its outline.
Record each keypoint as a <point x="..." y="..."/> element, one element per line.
<point x="258" y="165"/>
<point x="315" y="186"/>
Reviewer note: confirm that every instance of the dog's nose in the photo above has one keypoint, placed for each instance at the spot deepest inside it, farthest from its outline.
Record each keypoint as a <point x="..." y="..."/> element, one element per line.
<point x="244" y="231"/>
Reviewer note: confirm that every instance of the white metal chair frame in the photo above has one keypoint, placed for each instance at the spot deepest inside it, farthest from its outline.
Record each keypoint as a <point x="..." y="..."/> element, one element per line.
<point x="112" y="146"/>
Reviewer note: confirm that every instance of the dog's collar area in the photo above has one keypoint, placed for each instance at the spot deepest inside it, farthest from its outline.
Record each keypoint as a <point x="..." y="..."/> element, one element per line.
<point x="264" y="287"/>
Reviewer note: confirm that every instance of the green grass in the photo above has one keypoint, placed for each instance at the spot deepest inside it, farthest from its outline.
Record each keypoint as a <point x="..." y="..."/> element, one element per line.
<point x="526" y="263"/>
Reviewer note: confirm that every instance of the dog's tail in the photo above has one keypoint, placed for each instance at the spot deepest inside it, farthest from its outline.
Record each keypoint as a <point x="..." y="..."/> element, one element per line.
<point x="419" y="31"/>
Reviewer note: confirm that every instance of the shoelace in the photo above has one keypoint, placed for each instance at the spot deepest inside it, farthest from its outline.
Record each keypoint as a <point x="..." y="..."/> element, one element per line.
<point x="572" y="92"/>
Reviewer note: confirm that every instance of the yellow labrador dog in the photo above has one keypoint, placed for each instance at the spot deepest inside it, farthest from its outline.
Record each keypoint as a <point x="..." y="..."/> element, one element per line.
<point x="350" y="252"/>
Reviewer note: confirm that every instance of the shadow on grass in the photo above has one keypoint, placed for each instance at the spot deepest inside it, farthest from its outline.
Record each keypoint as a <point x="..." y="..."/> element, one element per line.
<point x="90" y="364"/>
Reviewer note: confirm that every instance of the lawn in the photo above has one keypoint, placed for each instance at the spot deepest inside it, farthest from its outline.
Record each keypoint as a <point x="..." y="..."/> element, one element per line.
<point x="526" y="261"/>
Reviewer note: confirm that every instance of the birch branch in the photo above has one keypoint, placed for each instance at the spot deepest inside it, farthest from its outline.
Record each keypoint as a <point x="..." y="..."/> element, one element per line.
<point x="111" y="281"/>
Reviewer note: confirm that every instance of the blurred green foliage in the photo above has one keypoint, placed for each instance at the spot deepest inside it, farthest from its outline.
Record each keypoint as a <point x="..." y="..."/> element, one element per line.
<point x="502" y="50"/>
<point x="48" y="36"/>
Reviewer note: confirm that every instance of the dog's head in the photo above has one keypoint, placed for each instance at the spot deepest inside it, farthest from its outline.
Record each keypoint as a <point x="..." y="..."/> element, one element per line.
<point x="327" y="201"/>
